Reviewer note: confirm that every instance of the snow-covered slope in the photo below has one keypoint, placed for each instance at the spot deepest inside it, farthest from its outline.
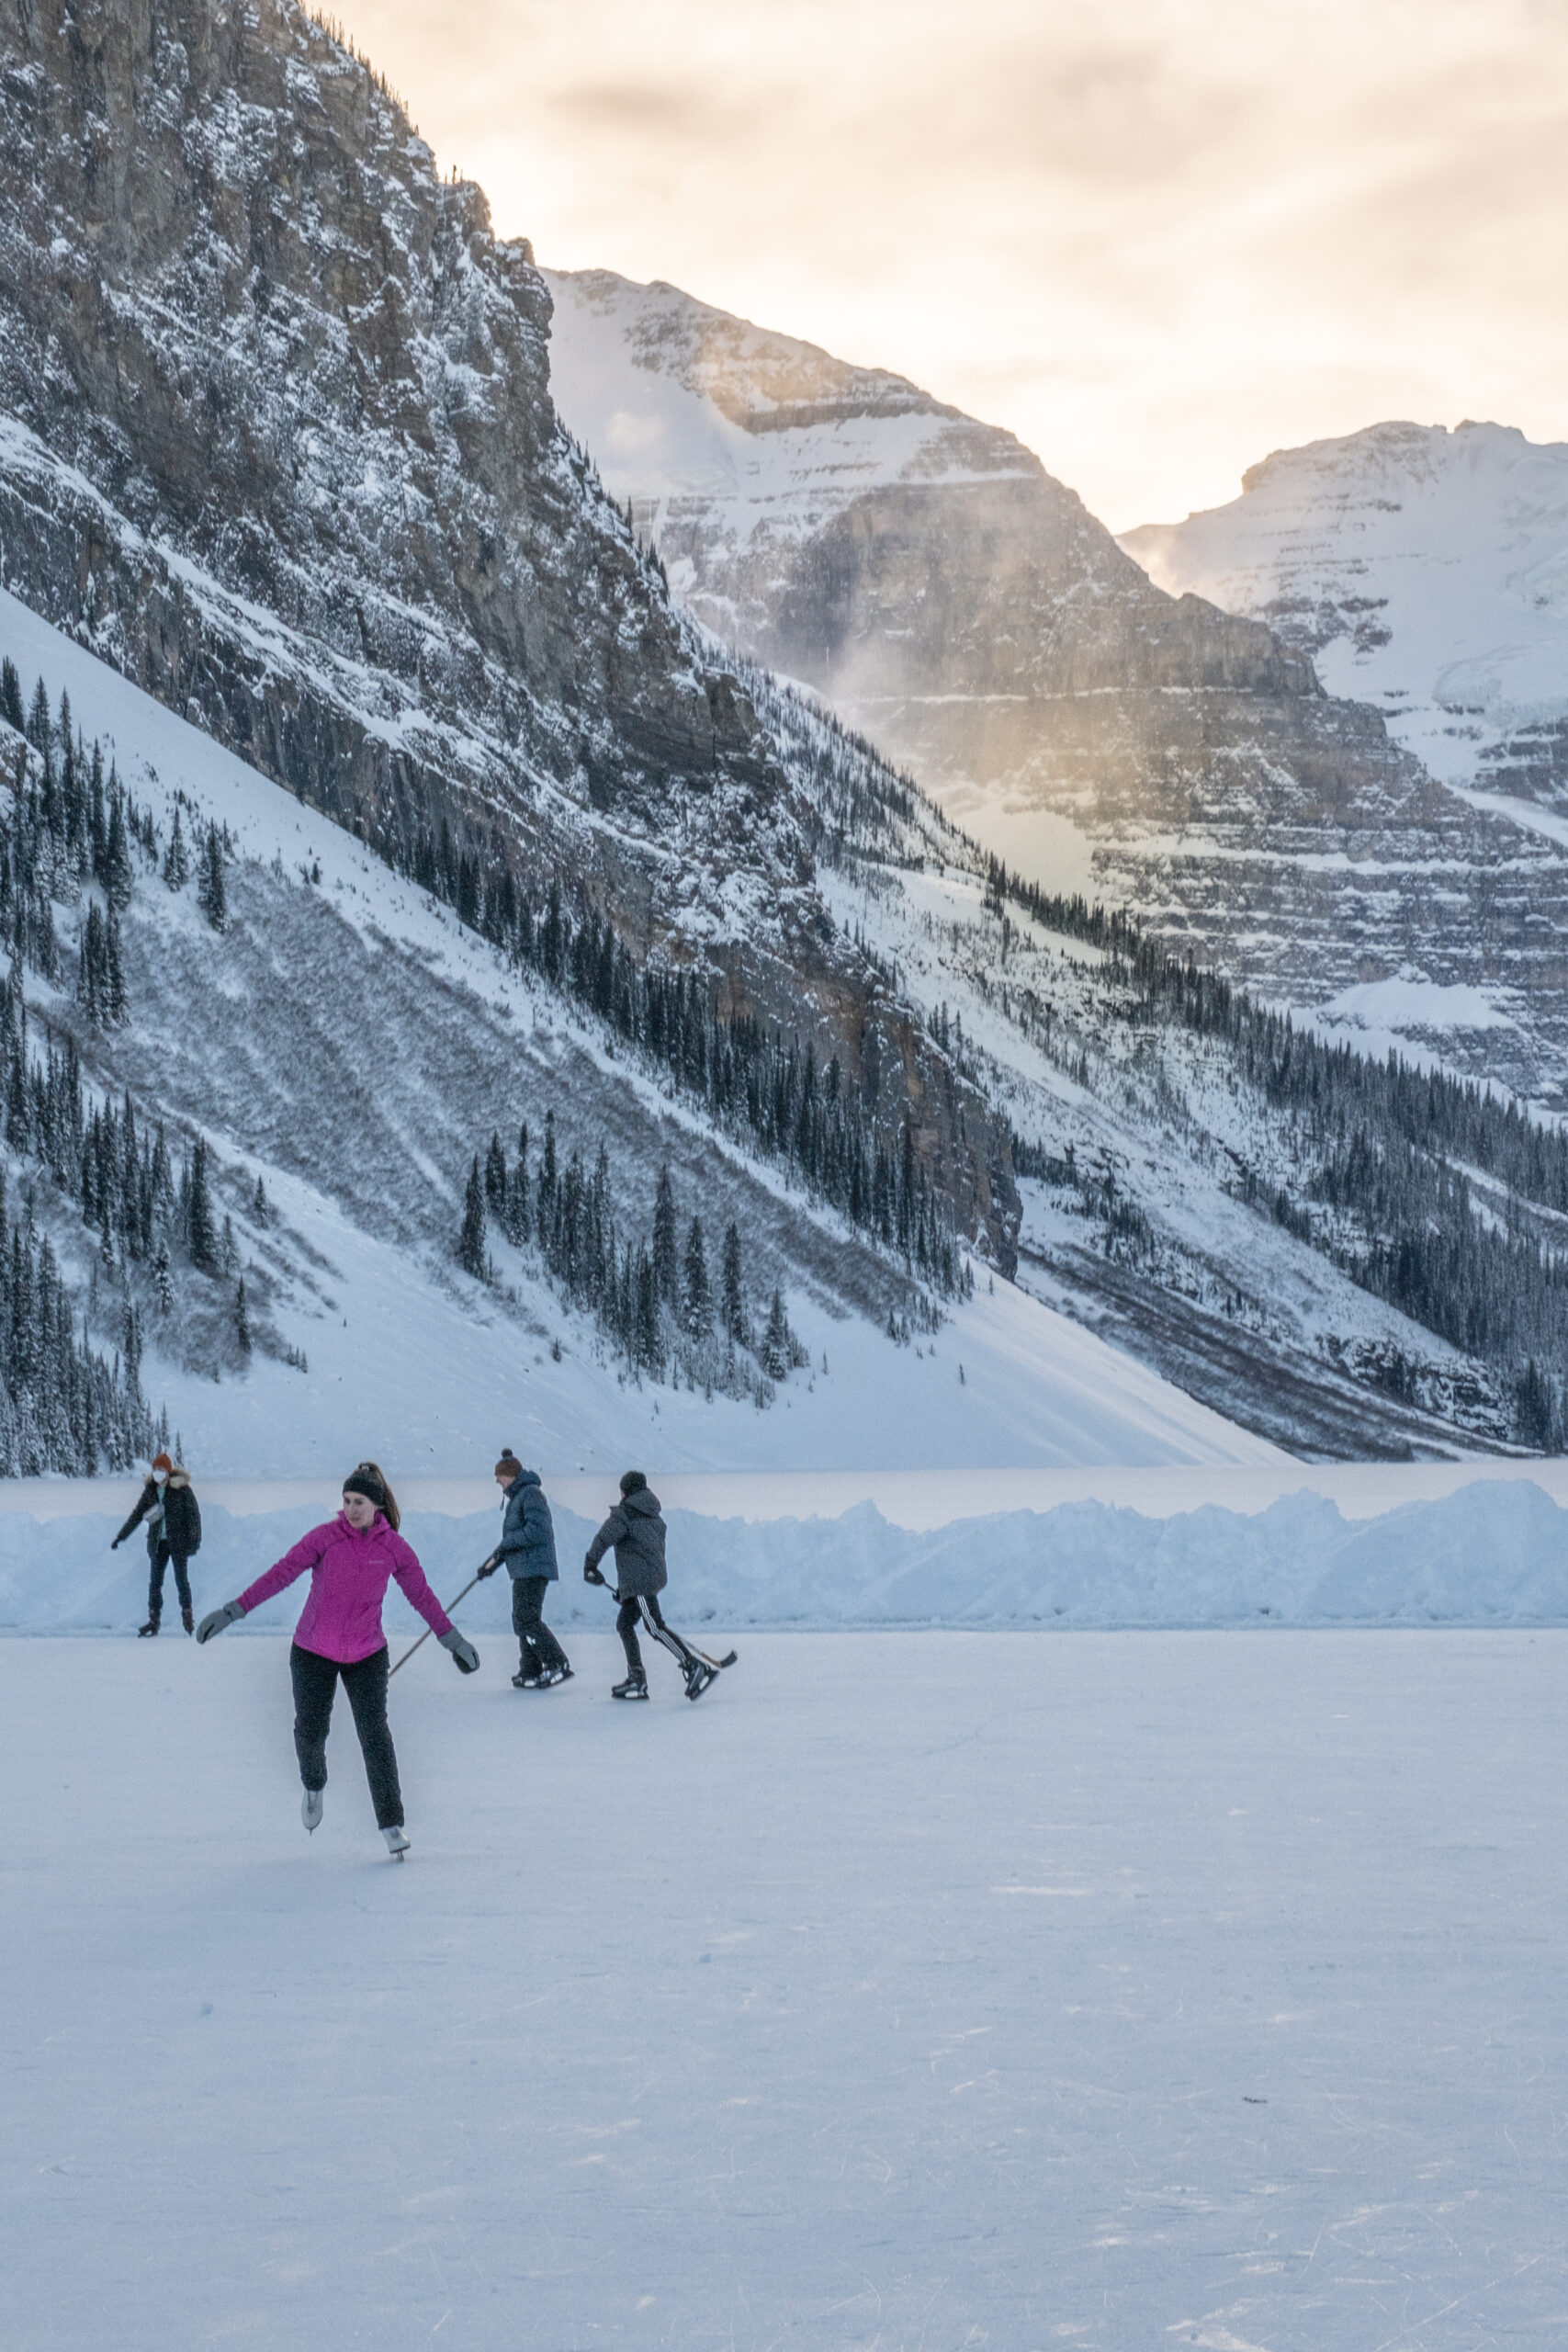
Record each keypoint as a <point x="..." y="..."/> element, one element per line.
<point x="348" y="1042"/>
<point x="1422" y="569"/>
<point x="926" y="576"/>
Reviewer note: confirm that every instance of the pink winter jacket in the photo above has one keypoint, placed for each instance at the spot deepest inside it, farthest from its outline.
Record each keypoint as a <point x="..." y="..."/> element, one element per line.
<point x="342" y="1618"/>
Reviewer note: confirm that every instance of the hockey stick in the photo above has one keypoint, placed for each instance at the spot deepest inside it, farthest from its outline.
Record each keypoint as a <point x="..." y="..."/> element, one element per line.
<point x="425" y="1635"/>
<point x="717" y="1664"/>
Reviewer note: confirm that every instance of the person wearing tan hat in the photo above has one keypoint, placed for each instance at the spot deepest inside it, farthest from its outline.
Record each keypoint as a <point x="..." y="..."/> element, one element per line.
<point x="168" y="1505"/>
<point x="528" y="1551"/>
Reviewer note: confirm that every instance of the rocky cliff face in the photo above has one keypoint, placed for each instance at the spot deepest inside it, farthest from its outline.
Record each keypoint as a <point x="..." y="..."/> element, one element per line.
<point x="276" y="436"/>
<point x="928" y="576"/>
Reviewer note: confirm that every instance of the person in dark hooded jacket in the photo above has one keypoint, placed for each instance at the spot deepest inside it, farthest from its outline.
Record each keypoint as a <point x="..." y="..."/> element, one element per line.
<point x="168" y="1505"/>
<point x="636" y="1529"/>
<point x="528" y="1551"/>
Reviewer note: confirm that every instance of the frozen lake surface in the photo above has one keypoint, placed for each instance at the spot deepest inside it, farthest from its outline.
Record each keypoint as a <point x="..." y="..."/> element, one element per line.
<point x="917" y="1990"/>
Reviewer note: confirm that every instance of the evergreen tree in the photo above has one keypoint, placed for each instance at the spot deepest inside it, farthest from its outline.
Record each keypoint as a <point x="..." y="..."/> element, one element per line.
<point x="495" y="1179"/>
<point x="260" y="1209"/>
<point x="241" y="1319"/>
<point x="11" y="709"/>
<point x="177" y="861"/>
<point x="164" y="1283"/>
<point x="212" y="893"/>
<point x="519" y="1225"/>
<point x="698" y="1301"/>
<point x="117" y="878"/>
<point x="471" y="1241"/>
<point x="666" y="1263"/>
<point x="732" y="1296"/>
<point x="116" y="1003"/>
<point x="778" y="1341"/>
<point x="201" y="1226"/>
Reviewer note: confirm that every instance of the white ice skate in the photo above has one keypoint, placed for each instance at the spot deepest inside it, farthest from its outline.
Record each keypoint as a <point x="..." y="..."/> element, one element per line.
<point x="311" y="1810"/>
<point x="397" y="1844"/>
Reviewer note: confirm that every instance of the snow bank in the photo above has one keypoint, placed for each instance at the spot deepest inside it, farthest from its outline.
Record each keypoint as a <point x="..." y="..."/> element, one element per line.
<point x="1495" y="1553"/>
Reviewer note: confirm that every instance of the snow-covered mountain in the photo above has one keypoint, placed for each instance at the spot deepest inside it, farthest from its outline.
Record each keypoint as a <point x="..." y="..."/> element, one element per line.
<point x="1422" y="569"/>
<point x="347" y="1041"/>
<point x="928" y="576"/>
<point x="278" y="440"/>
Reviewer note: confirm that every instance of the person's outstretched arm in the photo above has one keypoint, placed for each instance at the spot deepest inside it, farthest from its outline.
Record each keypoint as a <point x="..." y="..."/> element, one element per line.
<point x="286" y="1571"/>
<point x="144" y="1506"/>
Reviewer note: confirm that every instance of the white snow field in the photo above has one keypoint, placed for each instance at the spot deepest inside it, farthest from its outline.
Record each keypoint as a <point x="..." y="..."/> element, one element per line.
<point x="912" y="1992"/>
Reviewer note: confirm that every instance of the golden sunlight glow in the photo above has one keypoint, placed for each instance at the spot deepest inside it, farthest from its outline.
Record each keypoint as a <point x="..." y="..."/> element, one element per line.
<point x="1156" y="239"/>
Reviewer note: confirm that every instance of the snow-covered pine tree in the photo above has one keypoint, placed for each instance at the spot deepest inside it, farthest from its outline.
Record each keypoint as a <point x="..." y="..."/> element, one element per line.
<point x="471" y="1240"/>
<point x="697" y="1304"/>
<point x="666" y="1261"/>
<point x="495" y="1178"/>
<point x="212" y="892"/>
<point x="260" y="1209"/>
<point x="11" y="709"/>
<point x="176" y="860"/>
<point x="777" y="1350"/>
<point x="732" y="1291"/>
<point x="162" y="1284"/>
<point x="243" y="1321"/>
<point x="518" y="1222"/>
<point x="201" y="1225"/>
<point x="118" y="877"/>
<point x="117" y="1002"/>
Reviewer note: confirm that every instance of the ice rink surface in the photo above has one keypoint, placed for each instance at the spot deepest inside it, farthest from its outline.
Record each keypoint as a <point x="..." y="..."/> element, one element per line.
<point x="911" y="1992"/>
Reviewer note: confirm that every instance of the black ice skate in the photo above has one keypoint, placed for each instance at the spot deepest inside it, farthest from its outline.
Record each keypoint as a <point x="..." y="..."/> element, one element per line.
<point x="147" y="1632"/>
<point x="634" y="1687"/>
<point x="186" y="1618"/>
<point x="699" y="1674"/>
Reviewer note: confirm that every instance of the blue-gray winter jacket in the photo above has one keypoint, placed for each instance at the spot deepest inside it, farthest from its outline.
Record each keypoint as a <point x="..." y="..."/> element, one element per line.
<point x="528" y="1533"/>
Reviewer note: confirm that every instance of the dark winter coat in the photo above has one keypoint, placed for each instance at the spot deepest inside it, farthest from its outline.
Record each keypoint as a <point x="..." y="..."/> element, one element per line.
<point x="528" y="1533"/>
<point x="175" y="1517"/>
<point x="637" y="1530"/>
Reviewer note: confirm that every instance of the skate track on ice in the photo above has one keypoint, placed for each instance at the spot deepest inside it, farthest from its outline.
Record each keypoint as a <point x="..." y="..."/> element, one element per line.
<point x="913" y="1990"/>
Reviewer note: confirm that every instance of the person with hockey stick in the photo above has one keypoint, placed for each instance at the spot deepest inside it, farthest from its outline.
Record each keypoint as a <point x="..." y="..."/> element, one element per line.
<point x="527" y="1549"/>
<point x="636" y="1527"/>
<point x="351" y="1559"/>
<point x="168" y="1505"/>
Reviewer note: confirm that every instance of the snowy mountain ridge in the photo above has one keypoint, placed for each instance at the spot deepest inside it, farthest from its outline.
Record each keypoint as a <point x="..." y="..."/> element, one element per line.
<point x="1424" y="570"/>
<point x="932" y="582"/>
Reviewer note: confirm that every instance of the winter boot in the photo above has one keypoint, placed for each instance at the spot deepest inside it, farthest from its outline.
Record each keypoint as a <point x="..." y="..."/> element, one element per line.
<point x="311" y="1810"/>
<point x="150" y="1630"/>
<point x="187" y="1619"/>
<point x="634" y="1687"/>
<point x="397" y="1844"/>
<point x="699" y="1674"/>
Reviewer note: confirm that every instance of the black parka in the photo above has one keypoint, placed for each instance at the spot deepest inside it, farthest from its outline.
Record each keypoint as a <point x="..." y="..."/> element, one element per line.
<point x="175" y="1517"/>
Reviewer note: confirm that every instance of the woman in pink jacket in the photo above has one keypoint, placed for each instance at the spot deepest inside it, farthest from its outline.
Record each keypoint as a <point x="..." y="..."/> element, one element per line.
<point x="350" y="1559"/>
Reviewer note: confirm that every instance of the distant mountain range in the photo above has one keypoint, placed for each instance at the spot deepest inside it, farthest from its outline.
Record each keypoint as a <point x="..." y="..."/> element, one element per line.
<point x="926" y="574"/>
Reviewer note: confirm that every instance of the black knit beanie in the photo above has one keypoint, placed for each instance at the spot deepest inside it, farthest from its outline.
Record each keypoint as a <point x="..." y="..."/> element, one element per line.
<point x="632" y="1482"/>
<point x="366" y="1480"/>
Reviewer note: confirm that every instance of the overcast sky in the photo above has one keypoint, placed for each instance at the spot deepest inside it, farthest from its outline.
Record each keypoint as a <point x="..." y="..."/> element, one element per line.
<point x="1157" y="238"/>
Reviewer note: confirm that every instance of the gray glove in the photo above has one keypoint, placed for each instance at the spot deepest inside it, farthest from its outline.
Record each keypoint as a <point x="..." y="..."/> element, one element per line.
<point x="216" y="1618"/>
<point x="462" y="1649"/>
<point x="115" y="1546"/>
<point x="591" y="1574"/>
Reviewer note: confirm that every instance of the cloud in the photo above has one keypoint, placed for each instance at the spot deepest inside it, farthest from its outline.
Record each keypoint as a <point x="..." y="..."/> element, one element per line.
<point x="1156" y="239"/>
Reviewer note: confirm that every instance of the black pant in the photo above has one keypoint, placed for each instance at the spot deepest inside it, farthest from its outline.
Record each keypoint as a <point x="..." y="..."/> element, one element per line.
<point x="538" y="1644"/>
<point x="159" y="1560"/>
<point x="315" y="1684"/>
<point x="645" y="1606"/>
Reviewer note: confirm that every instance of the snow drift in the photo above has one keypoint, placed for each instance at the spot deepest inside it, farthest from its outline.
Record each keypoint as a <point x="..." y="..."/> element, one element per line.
<point x="1495" y="1553"/>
